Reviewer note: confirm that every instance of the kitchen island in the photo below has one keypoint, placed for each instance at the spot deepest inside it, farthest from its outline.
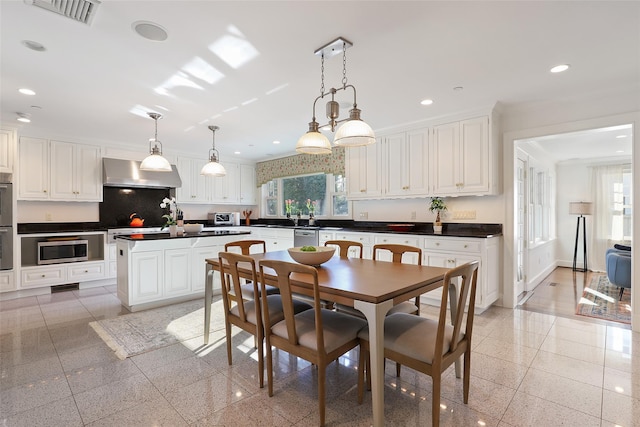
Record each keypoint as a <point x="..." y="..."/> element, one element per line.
<point x="157" y="269"/>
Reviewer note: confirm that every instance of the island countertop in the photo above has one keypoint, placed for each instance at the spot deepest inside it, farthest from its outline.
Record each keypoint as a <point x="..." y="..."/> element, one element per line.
<point x="166" y="236"/>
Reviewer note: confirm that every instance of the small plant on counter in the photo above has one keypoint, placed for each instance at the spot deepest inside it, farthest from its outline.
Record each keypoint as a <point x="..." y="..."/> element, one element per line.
<point x="288" y="204"/>
<point x="437" y="205"/>
<point x="311" y="207"/>
<point x="172" y="211"/>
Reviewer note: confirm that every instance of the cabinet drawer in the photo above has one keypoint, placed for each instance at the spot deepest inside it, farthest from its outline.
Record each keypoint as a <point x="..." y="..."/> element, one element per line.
<point x="6" y="282"/>
<point x="82" y="272"/>
<point x="356" y="237"/>
<point x="323" y="236"/>
<point x="43" y="276"/>
<point x="453" y="245"/>
<point x="398" y="240"/>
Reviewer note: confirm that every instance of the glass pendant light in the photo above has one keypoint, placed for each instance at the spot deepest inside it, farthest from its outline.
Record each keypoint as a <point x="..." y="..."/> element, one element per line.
<point x="213" y="168"/>
<point x="355" y="132"/>
<point x="155" y="161"/>
<point x="313" y="142"/>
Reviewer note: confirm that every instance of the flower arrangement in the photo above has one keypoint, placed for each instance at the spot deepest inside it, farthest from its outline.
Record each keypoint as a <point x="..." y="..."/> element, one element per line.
<point x="311" y="207"/>
<point x="288" y="205"/>
<point x="173" y="213"/>
<point x="437" y="205"/>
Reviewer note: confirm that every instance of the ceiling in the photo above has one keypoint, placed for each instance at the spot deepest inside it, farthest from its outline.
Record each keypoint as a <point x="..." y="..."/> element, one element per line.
<point x="249" y="67"/>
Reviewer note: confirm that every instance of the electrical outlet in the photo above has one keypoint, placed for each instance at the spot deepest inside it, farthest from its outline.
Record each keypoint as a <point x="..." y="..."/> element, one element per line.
<point x="47" y="216"/>
<point x="364" y="215"/>
<point x="413" y="215"/>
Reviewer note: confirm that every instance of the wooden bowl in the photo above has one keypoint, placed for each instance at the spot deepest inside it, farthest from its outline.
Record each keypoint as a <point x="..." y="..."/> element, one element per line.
<point x="321" y="255"/>
<point x="401" y="227"/>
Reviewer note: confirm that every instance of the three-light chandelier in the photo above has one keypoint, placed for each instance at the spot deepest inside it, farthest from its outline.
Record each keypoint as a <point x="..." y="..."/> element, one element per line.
<point x="354" y="132"/>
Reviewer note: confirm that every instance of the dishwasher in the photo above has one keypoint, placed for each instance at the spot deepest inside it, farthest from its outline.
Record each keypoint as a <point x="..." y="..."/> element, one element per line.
<point x="305" y="237"/>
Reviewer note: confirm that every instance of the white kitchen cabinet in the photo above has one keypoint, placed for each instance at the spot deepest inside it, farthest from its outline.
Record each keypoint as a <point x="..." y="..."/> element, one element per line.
<point x="195" y="188"/>
<point x="407" y="164"/>
<point x="7" y="147"/>
<point x="323" y="236"/>
<point x="363" y="171"/>
<point x="177" y="272"/>
<point x="396" y="239"/>
<point x="112" y="263"/>
<point x="7" y="283"/>
<point x="449" y="252"/>
<point x="198" y="267"/>
<point x="32" y="277"/>
<point x="54" y="170"/>
<point x="33" y="169"/>
<point x="276" y="239"/>
<point x="248" y="185"/>
<point x="76" y="172"/>
<point x="463" y="158"/>
<point x="365" y="238"/>
<point x="227" y="188"/>
<point x="146" y="271"/>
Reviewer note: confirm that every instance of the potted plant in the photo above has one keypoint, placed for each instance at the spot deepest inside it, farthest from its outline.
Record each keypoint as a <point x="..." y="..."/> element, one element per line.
<point x="437" y="205"/>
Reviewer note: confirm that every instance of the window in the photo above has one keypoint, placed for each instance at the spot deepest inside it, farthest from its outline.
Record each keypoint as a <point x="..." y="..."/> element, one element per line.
<point x="326" y="190"/>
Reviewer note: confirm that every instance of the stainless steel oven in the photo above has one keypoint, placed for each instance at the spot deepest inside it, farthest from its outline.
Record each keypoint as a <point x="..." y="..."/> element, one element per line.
<point x="62" y="250"/>
<point x="6" y="248"/>
<point x="6" y="204"/>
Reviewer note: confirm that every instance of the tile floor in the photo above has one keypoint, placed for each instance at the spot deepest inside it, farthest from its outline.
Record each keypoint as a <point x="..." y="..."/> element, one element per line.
<point x="528" y="369"/>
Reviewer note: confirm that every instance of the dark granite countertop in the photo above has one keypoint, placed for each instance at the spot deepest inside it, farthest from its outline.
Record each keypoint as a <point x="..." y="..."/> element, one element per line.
<point x="166" y="236"/>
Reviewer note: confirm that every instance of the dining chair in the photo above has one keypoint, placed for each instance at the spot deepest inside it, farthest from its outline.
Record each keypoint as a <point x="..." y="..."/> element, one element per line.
<point x="344" y="246"/>
<point x="245" y="247"/>
<point x="319" y="336"/>
<point x="431" y="346"/>
<point x="247" y="313"/>
<point x="397" y="252"/>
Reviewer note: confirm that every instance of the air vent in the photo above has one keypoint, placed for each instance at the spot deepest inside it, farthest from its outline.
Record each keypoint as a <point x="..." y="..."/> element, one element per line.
<point x="78" y="10"/>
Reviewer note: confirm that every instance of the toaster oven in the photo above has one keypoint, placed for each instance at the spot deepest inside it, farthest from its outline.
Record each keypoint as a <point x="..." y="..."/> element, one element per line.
<point x="223" y="218"/>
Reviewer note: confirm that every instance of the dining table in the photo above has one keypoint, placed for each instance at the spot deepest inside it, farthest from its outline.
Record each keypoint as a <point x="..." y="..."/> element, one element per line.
<point x="372" y="287"/>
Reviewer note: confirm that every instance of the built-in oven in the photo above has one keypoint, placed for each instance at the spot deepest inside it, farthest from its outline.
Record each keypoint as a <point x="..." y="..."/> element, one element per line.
<point x="56" y="251"/>
<point x="6" y="204"/>
<point x="6" y="248"/>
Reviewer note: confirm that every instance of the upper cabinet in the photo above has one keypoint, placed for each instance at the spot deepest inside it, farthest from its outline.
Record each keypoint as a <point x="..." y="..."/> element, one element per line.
<point x="453" y="159"/>
<point x="54" y="170"/>
<point x="407" y="164"/>
<point x="236" y="187"/>
<point x="227" y="188"/>
<point x="7" y="147"/>
<point x="462" y="158"/>
<point x="363" y="169"/>
<point x="194" y="186"/>
<point x="248" y="185"/>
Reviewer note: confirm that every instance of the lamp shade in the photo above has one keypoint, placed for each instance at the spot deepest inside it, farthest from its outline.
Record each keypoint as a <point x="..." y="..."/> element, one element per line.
<point x="155" y="162"/>
<point x="581" y="208"/>
<point x="354" y="133"/>
<point x="213" y="169"/>
<point x="313" y="142"/>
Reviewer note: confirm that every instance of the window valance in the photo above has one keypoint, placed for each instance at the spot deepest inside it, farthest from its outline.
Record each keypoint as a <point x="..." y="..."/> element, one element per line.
<point x="301" y="164"/>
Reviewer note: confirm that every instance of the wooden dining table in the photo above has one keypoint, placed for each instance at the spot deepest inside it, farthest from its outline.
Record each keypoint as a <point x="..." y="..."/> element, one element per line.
<point x="372" y="287"/>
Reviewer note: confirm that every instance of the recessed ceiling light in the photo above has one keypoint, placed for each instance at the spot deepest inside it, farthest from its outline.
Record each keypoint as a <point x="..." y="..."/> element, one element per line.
<point x="26" y="91"/>
<point x="426" y="102"/>
<point x="23" y="117"/>
<point x="620" y="151"/>
<point x="560" y="68"/>
<point x="621" y="136"/>
<point x="276" y="142"/>
<point x="236" y="152"/>
<point x="33" y="45"/>
<point x="150" y="30"/>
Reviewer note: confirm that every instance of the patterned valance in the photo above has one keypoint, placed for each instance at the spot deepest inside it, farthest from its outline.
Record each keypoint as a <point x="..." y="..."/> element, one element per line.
<point x="301" y="164"/>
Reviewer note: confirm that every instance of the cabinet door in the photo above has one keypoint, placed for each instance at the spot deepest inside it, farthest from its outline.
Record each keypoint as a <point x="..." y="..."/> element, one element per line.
<point x="248" y="185"/>
<point x="6" y="282"/>
<point x="184" y="193"/>
<point x="363" y="171"/>
<point x="177" y="272"/>
<point x="146" y="276"/>
<point x="33" y="166"/>
<point x="417" y="162"/>
<point x="396" y="162"/>
<point x="445" y="165"/>
<point x="7" y="143"/>
<point x="62" y="171"/>
<point x="88" y="172"/>
<point x="474" y="156"/>
<point x="194" y="186"/>
<point x="227" y="188"/>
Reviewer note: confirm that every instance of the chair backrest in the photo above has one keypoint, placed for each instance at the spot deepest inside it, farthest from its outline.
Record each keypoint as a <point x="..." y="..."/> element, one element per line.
<point x="245" y="246"/>
<point x="466" y="277"/>
<point x="344" y="246"/>
<point x="397" y="251"/>
<point x="231" y="283"/>
<point x="284" y="270"/>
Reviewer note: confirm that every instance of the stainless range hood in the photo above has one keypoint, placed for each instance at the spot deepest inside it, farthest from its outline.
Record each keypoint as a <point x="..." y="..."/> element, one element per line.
<point x="127" y="173"/>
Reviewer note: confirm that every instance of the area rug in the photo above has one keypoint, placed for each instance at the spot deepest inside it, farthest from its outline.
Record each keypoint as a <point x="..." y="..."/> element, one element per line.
<point x="600" y="300"/>
<point x="138" y="333"/>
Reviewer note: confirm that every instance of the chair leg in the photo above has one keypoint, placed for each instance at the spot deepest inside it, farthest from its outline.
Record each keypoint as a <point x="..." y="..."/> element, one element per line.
<point x="260" y="339"/>
<point x="269" y="368"/>
<point x="321" y="390"/>
<point x="228" y="331"/>
<point x="435" y="400"/>
<point x="621" y="292"/>
<point x="467" y="375"/>
<point x="398" y="366"/>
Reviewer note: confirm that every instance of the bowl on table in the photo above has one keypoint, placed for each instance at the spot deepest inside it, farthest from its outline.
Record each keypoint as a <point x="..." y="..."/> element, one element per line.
<point x="321" y="255"/>
<point x="193" y="228"/>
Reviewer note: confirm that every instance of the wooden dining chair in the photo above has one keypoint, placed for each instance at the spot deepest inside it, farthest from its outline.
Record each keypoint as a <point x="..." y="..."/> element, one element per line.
<point x="246" y="247"/>
<point x="319" y="336"/>
<point x="247" y="313"/>
<point x="344" y="246"/>
<point x="397" y="252"/>
<point x="431" y="346"/>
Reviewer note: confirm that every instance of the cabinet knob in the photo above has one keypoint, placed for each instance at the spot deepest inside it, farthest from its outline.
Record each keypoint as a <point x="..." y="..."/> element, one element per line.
<point x="44" y="275"/>
<point x="384" y="240"/>
<point x="362" y="190"/>
<point x="44" y="191"/>
<point x="86" y="271"/>
<point x="466" y="246"/>
<point x="437" y="244"/>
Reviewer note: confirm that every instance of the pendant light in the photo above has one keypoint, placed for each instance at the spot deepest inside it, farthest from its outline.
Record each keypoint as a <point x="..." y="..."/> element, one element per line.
<point x="213" y="168"/>
<point x="354" y="132"/>
<point x="155" y="161"/>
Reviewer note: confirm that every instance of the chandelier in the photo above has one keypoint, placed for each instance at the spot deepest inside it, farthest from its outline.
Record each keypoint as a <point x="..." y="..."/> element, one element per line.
<point x="155" y="161"/>
<point x="213" y="168"/>
<point x="354" y="132"/>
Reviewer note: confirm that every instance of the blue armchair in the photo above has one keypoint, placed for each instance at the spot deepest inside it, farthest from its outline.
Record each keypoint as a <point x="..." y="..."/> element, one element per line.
<point x="619" y="268"/>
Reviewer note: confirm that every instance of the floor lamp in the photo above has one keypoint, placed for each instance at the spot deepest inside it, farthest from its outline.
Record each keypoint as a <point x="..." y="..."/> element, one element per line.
<point x="581" y="209"/>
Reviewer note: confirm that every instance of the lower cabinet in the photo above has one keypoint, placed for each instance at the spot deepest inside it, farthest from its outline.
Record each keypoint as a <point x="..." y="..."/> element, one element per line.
<point x="364" y="238"/>
<point x="7" y="283"/>
<point x="59" y="274"/>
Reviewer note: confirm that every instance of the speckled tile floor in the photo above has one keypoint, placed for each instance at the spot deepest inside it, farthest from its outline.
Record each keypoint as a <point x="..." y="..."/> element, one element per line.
<point x="528" y="369"/>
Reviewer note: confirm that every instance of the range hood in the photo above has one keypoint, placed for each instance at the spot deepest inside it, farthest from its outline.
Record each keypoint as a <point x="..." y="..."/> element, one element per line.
<point x="127" y="173"/>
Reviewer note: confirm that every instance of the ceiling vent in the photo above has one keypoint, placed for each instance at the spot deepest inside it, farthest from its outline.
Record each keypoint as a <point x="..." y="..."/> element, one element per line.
<point x="78" y="10"/>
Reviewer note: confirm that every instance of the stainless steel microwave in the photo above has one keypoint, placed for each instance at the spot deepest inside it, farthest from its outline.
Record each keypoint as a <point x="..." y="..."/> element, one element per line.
<point x="60" y="251"/>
